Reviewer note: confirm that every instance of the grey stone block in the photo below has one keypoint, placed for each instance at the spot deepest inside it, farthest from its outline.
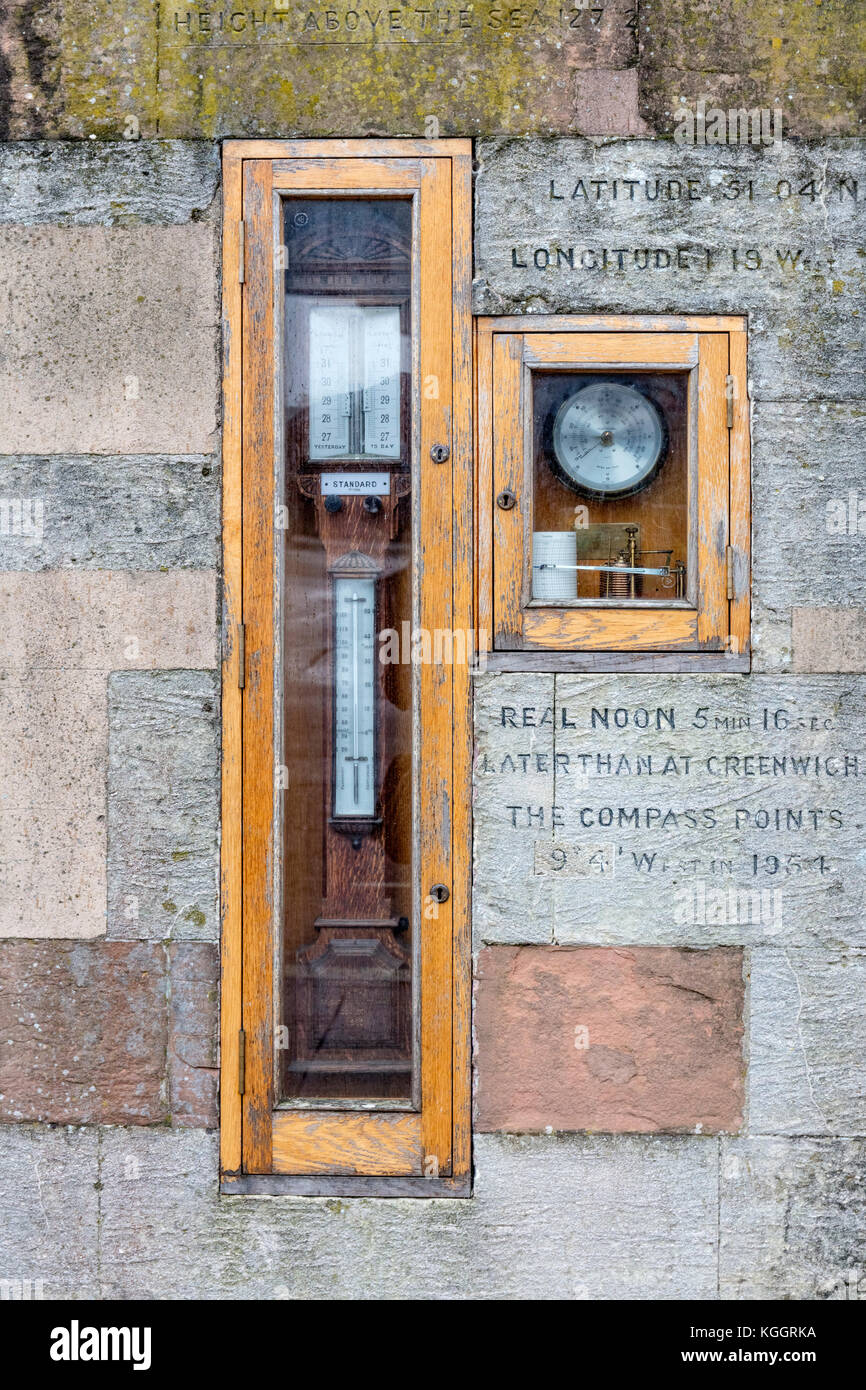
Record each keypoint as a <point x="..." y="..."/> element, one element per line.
<point x="794" y="262"/>
<point x="162" y="1234"/>
<point x="163" y="805"/>
<point x="107" y="183"/>
<point x="49" y="1195"/>
<point x="828" y="639"/>
<point x="597" y="1218"/>
<point x="809" y="520"/>
<point x="168" y="1234"/>
<point x="807" y="1042"/>
<point x="110" y="339"/>
<point x="135" y="512"/>
<point x="716" y="831"/>
<point x="511" y="904"/>
<point x="792" y="1219"/>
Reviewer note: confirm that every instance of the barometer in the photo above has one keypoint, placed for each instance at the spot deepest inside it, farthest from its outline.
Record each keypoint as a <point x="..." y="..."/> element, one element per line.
<point x="354" y="376"/>
<point x="609" y="439"/>
<point x="348" y="578"/>
<point x="610" y="487"/>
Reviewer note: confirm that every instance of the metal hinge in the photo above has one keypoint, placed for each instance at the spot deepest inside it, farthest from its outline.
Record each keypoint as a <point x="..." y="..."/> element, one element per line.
<point x="242" y="1060"/>
<point x="729" y="400"/>
<point x="729" y="562"/>
<point x="242" y="655"/>
<point x="240" y="253"/>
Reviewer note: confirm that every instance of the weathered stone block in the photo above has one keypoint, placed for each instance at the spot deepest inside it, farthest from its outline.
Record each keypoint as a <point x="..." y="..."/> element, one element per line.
<point x="31" y="73"/>
<point x="49" y="1195"/>
<point x="639" y="226"/>
<point x="52" y="812"/>
<point x="802" y="58"/>
<point x="133" y="512"/>
<point x="193" y="1048"/>
<point x="187" y="71"/>
<point x="108" y="620"/>
<point x="107" y="183"/>
<point x="829" y="639"/>
<point x="159" y="1189"/>
<point x="807" y="1042"/>
<point x="703" y="810"/>
<point x="84" y="1032"/>
<point x="62" y="632"/>
<point x="641" y="1040"/>
<point x="182" y="68"/>
<point x="110" y="340"/>
<point x="607" y="103"/>
<point x="163" y="805"/>
<point x="91" y="1033"/>
<point x="793" y="1218"/>
<point x="809" y="511"/>
<point x="598" y="1218"/>
<point x="503" y="878"/>
<point x="621" y="1217"/>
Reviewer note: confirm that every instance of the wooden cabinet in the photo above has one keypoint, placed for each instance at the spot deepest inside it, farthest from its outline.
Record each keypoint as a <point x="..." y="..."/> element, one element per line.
<point x="348" y="515"/>
<point x="613" y="492"/>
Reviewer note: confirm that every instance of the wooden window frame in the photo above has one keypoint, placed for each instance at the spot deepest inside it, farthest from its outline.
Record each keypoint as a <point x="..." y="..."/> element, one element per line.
<point x="264" y="1149"/>
<point x="709" y="633"/>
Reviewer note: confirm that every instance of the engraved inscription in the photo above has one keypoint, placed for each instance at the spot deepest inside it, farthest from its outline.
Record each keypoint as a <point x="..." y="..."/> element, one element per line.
<point x="575" y="23"/>
<point x="686" y="801"/>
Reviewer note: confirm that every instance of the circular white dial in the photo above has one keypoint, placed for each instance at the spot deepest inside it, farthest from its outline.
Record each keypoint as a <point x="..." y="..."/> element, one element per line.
<point x="608" y="438"/>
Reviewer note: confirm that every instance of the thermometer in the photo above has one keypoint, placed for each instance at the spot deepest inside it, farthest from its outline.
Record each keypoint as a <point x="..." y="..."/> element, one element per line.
<point x="354" y="783"/>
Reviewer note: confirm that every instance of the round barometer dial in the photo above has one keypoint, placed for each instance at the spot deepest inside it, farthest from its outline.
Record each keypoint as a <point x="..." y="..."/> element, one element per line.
<point x="608" y="439"/>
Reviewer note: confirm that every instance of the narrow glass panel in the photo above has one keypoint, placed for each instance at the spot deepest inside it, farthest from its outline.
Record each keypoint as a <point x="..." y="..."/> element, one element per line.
<point x="610" y="486"/>
<point x="347" y="695"/>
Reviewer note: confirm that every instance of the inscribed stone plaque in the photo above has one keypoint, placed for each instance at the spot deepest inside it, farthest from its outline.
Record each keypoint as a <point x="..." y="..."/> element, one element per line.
<point x="328" y="67"/>
<point x="285" y="67"/>
<point x="654" y="227"/>
<point x="687" y="810"/>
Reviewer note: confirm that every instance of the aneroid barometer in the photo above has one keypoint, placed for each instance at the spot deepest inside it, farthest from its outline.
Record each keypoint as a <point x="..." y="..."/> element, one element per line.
<point x="610" y="492"/>
<point x="608" y="439"/>
<point x="348" y="713"/>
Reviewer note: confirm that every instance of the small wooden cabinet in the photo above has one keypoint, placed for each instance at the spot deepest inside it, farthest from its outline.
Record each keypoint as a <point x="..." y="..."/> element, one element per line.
<point x="613" y="485"/>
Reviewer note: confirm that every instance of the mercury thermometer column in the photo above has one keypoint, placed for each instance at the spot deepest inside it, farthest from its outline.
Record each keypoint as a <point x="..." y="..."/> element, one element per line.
<point x="354" y="785"/>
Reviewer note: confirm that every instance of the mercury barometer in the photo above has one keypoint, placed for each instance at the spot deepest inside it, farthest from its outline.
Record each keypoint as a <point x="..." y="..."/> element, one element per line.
<point x="347" y="733"/>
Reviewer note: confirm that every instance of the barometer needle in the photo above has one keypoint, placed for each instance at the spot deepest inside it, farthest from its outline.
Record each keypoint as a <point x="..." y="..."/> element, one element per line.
<point x="589" y="451"/>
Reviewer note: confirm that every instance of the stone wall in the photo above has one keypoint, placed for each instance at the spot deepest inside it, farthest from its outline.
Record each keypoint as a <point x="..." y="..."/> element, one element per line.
<point x="668" y="1099"/>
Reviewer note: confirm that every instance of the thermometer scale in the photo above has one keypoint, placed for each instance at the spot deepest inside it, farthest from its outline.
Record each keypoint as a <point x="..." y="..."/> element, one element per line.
<point x="354" y="696"/>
